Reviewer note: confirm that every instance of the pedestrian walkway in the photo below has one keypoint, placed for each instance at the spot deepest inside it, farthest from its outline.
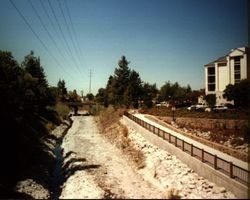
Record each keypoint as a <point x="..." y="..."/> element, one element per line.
<point x="220" y="154"/>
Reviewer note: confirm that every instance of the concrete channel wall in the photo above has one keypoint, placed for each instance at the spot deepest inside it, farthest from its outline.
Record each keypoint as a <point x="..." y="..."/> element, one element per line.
<point x="240" y="190"/>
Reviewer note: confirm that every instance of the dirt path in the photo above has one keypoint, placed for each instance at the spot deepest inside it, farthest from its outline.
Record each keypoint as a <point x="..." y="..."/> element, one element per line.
<point x="94" y="168"/>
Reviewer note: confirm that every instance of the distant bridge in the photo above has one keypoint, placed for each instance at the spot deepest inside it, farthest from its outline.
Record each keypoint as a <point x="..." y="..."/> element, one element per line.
<point x="80" y="104"/>
<point x="76" y="105"/>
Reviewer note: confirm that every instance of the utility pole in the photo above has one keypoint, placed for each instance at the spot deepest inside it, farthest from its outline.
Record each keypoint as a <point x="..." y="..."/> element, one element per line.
<point x="90" y="76"/>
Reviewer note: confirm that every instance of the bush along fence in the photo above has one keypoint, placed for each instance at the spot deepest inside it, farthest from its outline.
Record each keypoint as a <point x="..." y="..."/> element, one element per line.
<point x="228" y="168"/>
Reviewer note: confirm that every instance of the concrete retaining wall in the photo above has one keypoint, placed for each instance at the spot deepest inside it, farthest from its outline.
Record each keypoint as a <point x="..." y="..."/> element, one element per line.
<point x="238" y="189"/>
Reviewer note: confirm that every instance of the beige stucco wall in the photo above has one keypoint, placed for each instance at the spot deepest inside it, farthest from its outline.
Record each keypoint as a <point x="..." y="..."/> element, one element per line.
<point x="243" y="65"/>
<point x="223" y="77"/>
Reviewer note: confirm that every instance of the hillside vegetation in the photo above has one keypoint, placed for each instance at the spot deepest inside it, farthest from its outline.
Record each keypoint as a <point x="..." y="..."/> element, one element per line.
<point x="29" y="111"/>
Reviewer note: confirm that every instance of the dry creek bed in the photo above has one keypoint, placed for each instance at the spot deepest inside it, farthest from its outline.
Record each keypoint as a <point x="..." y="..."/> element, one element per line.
<point x="95" y="168"/>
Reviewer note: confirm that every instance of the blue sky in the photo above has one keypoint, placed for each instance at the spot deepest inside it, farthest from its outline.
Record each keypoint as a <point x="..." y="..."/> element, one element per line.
<point x="163" y="39"/>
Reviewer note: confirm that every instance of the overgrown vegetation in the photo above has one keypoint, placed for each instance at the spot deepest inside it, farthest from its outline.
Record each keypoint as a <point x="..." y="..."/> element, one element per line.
<point x="29" y="111"/>
<point x="118" y="134"/>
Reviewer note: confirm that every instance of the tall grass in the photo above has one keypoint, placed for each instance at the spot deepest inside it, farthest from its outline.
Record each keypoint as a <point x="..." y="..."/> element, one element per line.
<point x="62" y="109"/>
<point x="117" y="133"/>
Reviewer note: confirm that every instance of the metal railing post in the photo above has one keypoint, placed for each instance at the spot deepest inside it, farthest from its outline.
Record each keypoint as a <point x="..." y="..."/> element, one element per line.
<point x="175" y="141"/>
<point x="202" y="155"/>
<point x="231" y="170"/>
<point x="191" y="150"/>
<point x="215" y="162"/>
<point x="182" y="147"/>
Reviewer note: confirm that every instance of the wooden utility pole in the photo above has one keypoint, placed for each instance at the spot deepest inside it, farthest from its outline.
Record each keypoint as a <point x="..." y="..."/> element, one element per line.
<point x="90" y="76"/>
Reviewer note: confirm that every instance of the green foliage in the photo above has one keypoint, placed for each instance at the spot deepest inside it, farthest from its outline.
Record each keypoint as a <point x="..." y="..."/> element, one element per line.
<point x="101" y="96"/>
<point x="211" y="100"/>
<point x="124" y="87"/>
<point x="90" y="96"/>
<point x="62" y="90"/>
<point x="175" y="92"/>
<point x="62" y="109"/>
<point x="73" y="96"/>
<point x="240" y="93"/>
<point x="25" y="105"/>
<point x="149" y="92"/>
<point x="121" y="81"/>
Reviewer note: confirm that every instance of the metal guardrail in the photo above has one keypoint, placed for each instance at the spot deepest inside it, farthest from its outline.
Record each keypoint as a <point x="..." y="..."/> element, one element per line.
<point x="228" y="168"/>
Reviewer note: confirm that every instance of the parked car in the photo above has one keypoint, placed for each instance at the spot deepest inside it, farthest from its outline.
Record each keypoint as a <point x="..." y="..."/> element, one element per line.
<point x="230" y="106"/>
<point x="201" y="106"/>
<point x="220" y="108"/>
<point x="208" y="109"/>
<point x="192" y="107"/>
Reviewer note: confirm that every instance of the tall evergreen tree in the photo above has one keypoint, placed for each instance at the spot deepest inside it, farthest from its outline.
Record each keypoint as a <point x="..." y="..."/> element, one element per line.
<point x="41" y="89"/>
<point x="133" y="91"/>
<point x="110" y="93"/>
<point x="121" y="80"/>
<point x="62" y="89"/>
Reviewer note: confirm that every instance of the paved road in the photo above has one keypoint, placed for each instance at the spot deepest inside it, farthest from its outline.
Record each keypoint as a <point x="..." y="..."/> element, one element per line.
<point x="220" y="154"/>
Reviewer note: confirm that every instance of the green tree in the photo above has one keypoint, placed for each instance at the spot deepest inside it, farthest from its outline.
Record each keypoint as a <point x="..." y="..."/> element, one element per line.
<point x="121" y="80"/>
<point x="21" y="96"/>
<point x="90" y="96"/>
<point x="10" y="78"/>
<point x="149" y="92"/>
<point x="101" y="96"/>
<point x="73" y="96"/>
<point x="41" y="92"/>
<point x="133" y="91"/>
<point x="239" y="93"/>
<point x="110" y="92"/>
<point x="211" y="100"/>
<point x="61" y="87"/>
<point x="62" y="90"/>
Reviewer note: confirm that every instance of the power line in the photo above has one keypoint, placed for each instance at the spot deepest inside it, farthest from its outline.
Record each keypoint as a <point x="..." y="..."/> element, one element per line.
<point x="45" y="28"/>
<point x="90" y="76"/>
<point x="67" y="26"/>
<point x="52" y="24"/>
<point x="65" y="21"/>
<point x="73" y="29"/>
<point x="60" y="28"/>
<point x="36" y="35"/>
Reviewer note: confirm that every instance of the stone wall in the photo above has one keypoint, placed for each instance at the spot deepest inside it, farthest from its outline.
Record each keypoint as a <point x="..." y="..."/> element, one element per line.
<point x="208" y="123"/>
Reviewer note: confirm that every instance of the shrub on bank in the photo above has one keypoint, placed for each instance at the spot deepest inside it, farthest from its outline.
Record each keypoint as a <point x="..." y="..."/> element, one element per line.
<point x="62" y="109"/>
<point x="117" y="133"/>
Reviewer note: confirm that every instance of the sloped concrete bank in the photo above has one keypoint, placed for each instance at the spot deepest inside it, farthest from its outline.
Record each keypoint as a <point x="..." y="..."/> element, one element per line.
<point x="38" y="182"/>
<point x="238" y="189"/>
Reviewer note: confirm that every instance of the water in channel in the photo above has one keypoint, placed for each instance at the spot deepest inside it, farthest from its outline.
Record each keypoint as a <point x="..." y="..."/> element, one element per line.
<point x="57" y="175"/>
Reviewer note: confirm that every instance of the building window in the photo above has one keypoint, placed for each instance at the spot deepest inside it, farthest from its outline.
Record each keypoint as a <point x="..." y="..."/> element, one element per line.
<point x="211" y="87"/>
<point x="211" y="71"/>
<point x="211" y="78"/>
<point x="237" y="76"/>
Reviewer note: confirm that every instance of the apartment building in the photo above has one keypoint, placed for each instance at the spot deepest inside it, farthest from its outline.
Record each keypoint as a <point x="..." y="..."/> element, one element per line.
<point x="229" y="69"/>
